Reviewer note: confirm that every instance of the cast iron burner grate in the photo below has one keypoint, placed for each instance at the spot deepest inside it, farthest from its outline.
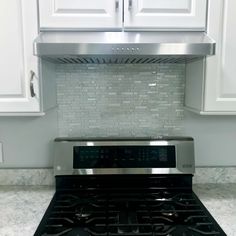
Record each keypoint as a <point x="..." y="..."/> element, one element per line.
<point x="93" y="213"/>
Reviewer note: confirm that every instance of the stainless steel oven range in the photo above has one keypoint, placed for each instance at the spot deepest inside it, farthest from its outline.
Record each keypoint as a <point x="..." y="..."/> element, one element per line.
<point x="125" y="187"/>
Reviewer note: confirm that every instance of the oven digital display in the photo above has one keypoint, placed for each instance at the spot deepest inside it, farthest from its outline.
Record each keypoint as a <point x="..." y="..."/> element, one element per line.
<point x="91" y="157"/>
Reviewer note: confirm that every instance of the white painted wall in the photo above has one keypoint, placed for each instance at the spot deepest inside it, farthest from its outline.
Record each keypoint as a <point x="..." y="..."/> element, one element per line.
<point x="28" y="141"/>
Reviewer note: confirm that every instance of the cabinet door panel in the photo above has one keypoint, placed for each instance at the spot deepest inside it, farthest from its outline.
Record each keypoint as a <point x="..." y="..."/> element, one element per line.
<point x="80" y="14"/>
<point x="220" y="85"/>
<point x="17" y="60"/>
<point x="165" y="14"/>
<point x="11" y="50"/>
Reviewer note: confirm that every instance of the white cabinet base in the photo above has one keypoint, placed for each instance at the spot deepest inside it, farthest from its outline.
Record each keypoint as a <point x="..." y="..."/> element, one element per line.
<point x="210" y="113"/>
<point x="211" y="83"/>
<point x="33" y="114"/>
<point x="17" y="62"/>
<point x="19" y="28"/>
<point x="220" y="84"/>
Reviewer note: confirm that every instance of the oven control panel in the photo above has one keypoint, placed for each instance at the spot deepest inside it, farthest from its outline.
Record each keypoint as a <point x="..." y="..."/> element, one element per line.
<point x="90" y="157"/>
<point x="163" y="155"/>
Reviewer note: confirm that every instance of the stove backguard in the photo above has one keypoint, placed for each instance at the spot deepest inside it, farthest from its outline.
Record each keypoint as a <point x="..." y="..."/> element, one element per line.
<point x="163" y="155"/>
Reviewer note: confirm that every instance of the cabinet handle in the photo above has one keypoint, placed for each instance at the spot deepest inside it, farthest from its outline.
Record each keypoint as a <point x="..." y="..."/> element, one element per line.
<point x="130" y="4"/>
<point x="32" y="75"/>
<point x="117" y="5"/>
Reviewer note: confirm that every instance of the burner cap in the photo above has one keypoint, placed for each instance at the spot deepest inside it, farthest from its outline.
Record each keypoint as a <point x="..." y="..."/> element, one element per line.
<point x="168" y="210"/>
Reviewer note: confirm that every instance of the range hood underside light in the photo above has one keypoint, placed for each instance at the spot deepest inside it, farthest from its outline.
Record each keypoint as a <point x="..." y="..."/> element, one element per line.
<point x="125" y="48"/>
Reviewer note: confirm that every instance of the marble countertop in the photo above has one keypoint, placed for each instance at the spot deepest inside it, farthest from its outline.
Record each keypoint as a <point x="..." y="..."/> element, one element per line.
<point x="22" y="207"/>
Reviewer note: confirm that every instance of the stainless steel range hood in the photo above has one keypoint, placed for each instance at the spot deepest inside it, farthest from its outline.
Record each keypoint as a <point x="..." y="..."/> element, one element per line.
<point x="123" y="47"/>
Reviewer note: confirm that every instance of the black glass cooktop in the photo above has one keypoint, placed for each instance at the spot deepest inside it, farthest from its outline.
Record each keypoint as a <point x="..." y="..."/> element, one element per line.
<point x="128" y="211"/>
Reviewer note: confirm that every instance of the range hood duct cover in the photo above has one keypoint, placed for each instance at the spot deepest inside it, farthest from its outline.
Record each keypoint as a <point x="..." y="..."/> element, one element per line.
<point x="123" y="47"/>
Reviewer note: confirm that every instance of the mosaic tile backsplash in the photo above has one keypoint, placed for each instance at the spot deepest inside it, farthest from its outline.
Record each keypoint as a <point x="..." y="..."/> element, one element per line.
<point x="120" y="100"/>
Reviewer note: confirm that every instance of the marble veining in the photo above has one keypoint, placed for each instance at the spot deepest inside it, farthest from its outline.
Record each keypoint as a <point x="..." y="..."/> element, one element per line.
<point x="220" y="200"/>
<point x="26" y="177"/>
<point x="22" y="207"/>
<point x="215" y="175"/>
<point x="45" y="176"/>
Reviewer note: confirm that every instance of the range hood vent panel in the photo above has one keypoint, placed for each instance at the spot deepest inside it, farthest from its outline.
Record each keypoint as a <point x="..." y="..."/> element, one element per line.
<point x="120" y="59"/>
<point x="123" y="47"/>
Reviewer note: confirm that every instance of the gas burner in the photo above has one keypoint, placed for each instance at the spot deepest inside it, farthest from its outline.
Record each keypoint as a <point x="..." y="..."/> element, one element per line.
<point x="169" y="210"/>
<point x="82" y="215"/>
<point x="163" y="196"/>
<point x="122" y="215"/>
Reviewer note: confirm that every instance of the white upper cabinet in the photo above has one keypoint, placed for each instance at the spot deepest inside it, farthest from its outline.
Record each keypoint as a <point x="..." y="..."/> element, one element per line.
<point x="216" y="93"/>
<point x="165" y="15"/>
<point x="19" y="83"/>
<point x="220" y="85"/>
<point x="81" y="14"/>
<point x="108" y="14"/>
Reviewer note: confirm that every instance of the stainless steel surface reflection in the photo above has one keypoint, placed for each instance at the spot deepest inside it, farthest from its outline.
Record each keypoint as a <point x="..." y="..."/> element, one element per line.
<point x="184" y="148"/>
<point x="123" y="47"/>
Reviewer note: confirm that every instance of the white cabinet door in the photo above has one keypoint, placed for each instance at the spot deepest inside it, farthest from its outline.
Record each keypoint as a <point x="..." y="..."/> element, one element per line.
<point x="220" y="84"/>
<point x="165" y="14"/>
<point x="18" y="24"/>
<point x="81" y="14"/>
